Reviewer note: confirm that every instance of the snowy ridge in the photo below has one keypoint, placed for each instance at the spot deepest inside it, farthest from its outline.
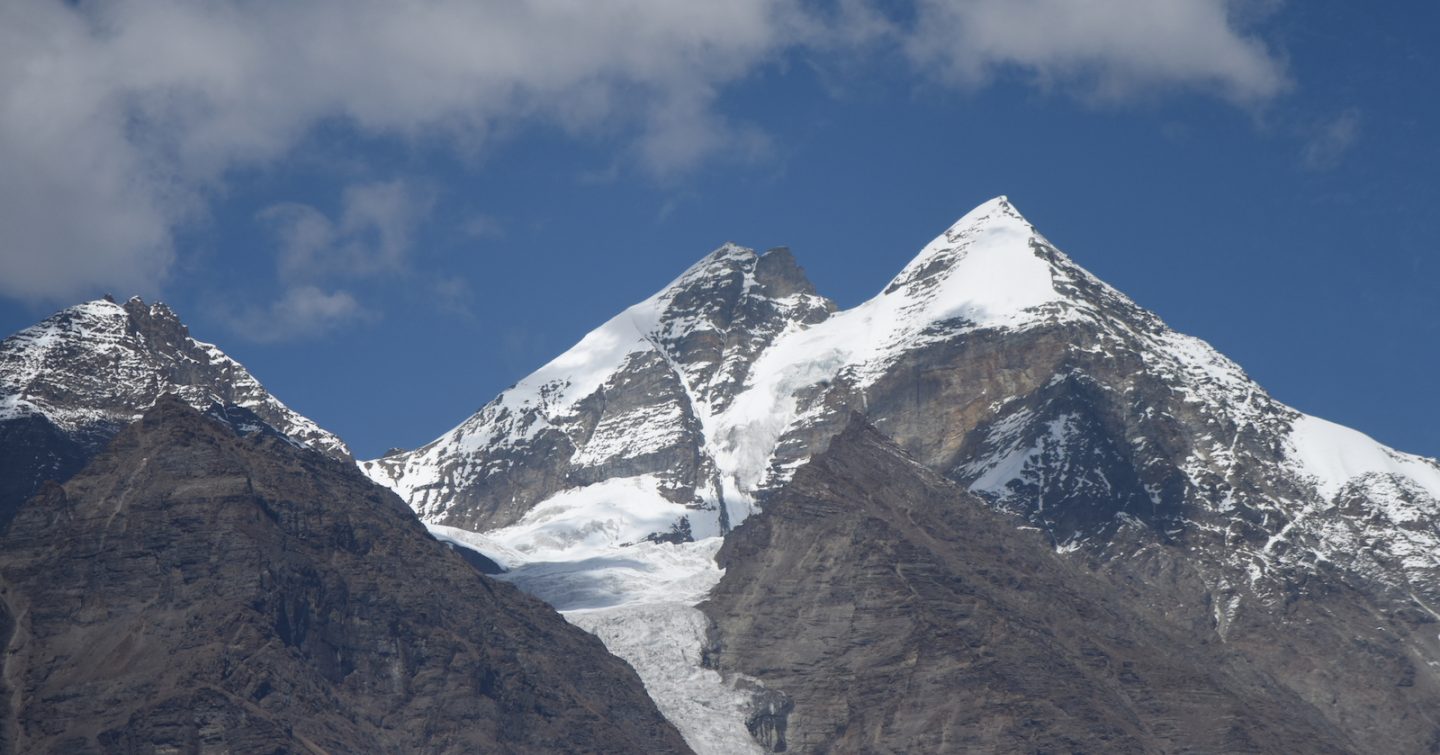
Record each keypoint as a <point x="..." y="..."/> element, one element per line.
<point x="584" y="549"/>
<point x="1375" y="509"/>
<point x="1331" y="496"/>
<point x="987" y="271"/>
<point x="1335" y="456"/>
<point x="684" y="347"/>
<point x="95" y="367"/>
<point x="984" y="272"/>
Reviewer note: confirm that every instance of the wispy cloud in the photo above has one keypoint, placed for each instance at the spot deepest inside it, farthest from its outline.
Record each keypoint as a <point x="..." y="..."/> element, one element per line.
<point x="372" y="234"/>
<point x="483" y="226"/>
<point x="1331" y="141"/>
<point x="1105" y="49"/>
<point x="301" y="312"/>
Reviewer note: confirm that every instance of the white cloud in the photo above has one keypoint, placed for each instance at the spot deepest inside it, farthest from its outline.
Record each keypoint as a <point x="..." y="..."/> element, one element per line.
<point x="1109" y="49"/>
<point x="1329" y="144"/>
<point x="371" y="235"/>
<point x="119" y="120"/>
<point x="302" y="312"/>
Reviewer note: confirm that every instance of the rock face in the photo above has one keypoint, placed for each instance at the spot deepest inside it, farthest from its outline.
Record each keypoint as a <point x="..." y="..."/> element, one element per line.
<point x="70" y="383"/>
<point x="885" y="609"/>
<point x="215" y="586"/>
<point x="631" y="400"/>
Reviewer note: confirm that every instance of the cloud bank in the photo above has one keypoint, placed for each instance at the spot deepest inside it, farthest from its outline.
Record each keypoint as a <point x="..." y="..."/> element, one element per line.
<point x="119" y="120"/>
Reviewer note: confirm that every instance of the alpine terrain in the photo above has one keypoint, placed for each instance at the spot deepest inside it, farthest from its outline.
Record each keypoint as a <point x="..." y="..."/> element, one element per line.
<point x="70" y="383"/>
<point x="996" y="507"/>
<point x="999" y="480"/>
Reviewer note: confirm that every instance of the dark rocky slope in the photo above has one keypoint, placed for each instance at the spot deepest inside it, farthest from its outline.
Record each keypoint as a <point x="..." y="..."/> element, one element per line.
<point x="887" y="610"/>
<point x="194" y="590"/>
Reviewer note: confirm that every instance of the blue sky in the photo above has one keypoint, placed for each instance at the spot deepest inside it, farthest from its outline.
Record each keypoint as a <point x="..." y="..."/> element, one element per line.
<point x="391" y="214"/>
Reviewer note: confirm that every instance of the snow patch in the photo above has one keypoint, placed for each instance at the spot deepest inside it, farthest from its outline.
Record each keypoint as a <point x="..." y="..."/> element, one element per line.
<point x="1333" y="455"/>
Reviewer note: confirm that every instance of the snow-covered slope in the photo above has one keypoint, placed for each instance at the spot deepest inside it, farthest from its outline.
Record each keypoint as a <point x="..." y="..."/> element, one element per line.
<point x="69" y="383"/>
<point x="632" y="399"/>
<point x="981" y="273"/>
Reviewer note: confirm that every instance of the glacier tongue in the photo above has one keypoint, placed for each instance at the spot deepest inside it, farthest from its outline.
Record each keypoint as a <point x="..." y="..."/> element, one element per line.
<point x="583" y="552"/>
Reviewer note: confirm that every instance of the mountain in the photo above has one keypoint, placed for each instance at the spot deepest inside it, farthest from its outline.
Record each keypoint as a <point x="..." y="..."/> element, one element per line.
<point x="633" y="399"/>
<point x="1138" y="453"/>
<point x="71" y="382"/>
<point x="199" y="589"/>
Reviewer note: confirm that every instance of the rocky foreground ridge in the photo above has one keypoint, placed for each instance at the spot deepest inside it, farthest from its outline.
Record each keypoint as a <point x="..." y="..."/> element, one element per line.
<point x="194" y="589"/>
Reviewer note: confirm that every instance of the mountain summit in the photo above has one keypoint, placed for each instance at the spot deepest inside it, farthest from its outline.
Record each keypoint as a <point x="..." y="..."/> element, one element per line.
<point x="632" y="399"/>
<point x="71" y="382"/>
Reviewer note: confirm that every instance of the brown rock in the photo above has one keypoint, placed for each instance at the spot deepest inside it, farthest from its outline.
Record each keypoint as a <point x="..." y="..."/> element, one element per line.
<point x="193" y="590"/>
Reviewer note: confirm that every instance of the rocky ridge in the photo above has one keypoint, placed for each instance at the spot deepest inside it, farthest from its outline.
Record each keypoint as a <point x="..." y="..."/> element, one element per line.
<point x="71" y="382"/>
<point x="885" y="608"/>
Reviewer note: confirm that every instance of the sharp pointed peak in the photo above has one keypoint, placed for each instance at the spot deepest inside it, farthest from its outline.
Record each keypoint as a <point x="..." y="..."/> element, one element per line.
<point x="997" y="210"/>
<point x="997" y="222"/>
<point x="727" y="253"/>
<point x="727" y="258"/>
<point x="105" y="304"/>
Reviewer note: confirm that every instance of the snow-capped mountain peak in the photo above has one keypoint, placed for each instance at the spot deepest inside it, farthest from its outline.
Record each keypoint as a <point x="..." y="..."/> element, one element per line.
<point x="70" y="382"/>
<point x="94" y="367"/>
<point x="632" y="398"/>
<point x="984" y="264"/>
<point x="992" y="359"/>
